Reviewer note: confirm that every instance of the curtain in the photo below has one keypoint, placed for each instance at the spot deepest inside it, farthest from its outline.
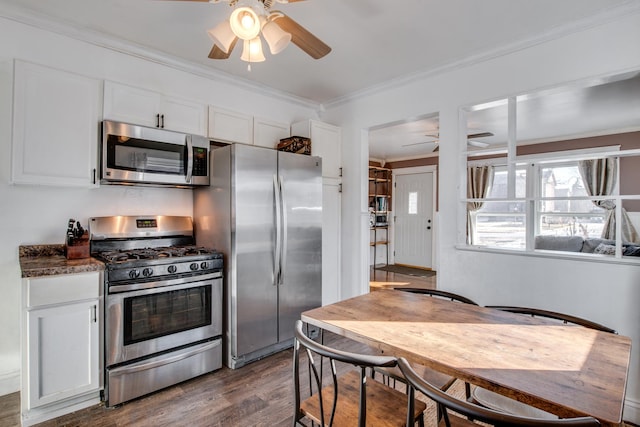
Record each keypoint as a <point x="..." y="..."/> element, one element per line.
<point x="599" y="177"/>
<point x="479" y="180"/>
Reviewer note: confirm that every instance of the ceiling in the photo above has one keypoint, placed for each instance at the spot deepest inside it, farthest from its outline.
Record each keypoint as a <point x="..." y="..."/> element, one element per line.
<point x="374" y="42"/>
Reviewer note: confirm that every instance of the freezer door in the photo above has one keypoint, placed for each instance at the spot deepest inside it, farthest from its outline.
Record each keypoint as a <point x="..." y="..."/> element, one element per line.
<point x="300" y="287"/>
<point x="253" y="292"/>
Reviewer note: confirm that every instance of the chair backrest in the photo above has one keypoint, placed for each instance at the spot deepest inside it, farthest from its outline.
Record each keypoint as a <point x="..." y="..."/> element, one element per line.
<point x="565" y="318"/>
<point x="314" y="349"/>
<point x="448" y="402"/>
<point x="438" y="293"/>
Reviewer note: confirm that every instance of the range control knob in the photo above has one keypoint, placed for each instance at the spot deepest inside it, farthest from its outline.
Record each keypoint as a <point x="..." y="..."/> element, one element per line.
<point x="134" y="274"/>
<point x="172" y="269"/>
<point x="147" y="272"/>
<point x="194" y="266"/>
<point x="203" y="265"/>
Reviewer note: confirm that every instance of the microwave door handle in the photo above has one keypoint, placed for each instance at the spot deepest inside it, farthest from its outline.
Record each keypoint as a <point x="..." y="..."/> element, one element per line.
<point x="189" y="158"/>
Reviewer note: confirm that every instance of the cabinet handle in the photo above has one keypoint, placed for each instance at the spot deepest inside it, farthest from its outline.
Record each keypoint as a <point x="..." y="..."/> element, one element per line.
<point x="340" y="172"/>
<point x="157" y="120"/>
<point x="94" y="176"/>
<point x="95" y="313"/>
<point x="162" y="121"/>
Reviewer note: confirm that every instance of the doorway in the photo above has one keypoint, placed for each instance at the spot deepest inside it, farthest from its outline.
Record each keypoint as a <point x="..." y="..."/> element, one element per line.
<point x="413" y="218"/>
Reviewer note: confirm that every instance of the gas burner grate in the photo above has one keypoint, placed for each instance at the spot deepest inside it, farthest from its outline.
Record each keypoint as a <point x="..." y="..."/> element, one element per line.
<point x="122" y="256"/>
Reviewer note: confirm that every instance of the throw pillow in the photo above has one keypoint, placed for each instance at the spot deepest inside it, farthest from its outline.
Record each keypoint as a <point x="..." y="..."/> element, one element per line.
<point x="605" y="249"/>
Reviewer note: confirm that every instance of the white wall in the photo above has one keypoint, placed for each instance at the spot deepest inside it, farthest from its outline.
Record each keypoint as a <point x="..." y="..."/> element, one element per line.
<point x="38" y="215"/>
<point x="605" y="293"/>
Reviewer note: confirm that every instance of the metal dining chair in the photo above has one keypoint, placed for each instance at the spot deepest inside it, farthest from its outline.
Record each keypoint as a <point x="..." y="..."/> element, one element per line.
<point x="440" y="380"/>
<point x="502" y="403"/>
<point x="348" y="397"/>
<point x="466" y="412"/>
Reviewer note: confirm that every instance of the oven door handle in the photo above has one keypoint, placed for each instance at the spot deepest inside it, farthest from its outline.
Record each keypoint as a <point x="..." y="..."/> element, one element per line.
<point x="162" y="283"/>
<point x="143" y="366"/>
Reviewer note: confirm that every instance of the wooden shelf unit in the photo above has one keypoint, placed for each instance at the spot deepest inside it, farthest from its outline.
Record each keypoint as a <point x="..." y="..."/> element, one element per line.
<point x="380" y="192"/>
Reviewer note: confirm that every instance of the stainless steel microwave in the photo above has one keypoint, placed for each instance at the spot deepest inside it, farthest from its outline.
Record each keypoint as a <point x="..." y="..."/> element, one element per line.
<point x="132" y="154"/>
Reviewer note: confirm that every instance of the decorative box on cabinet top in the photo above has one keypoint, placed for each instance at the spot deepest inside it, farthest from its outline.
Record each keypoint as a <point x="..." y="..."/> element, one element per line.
<point x="295" y="144"/>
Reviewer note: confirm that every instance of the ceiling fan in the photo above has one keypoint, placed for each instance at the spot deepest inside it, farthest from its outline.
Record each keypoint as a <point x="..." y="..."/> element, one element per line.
<point x="252" y="18"/>
<point x="471" y="140"/>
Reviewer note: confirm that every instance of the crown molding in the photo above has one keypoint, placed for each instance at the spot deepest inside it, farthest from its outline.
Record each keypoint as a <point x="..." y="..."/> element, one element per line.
<point x="628" y="8"/>
<point x="40" y="21"/>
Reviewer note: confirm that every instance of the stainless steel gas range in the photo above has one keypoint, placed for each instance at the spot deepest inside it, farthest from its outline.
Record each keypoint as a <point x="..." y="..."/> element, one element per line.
<point x="162" y="303"/>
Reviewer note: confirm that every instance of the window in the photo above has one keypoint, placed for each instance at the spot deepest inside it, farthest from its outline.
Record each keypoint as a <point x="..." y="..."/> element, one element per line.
<point x="544" y="173"/>
<point x="413" y="203"/>
<point x="564" y="208"/>
<point x="502" y="223"/>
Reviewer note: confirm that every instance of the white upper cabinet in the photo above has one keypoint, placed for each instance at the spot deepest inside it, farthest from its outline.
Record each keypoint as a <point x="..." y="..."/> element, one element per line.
<point x="56" y="122"/>
<point x="267" y="133"/>
<point x="230" y="126"/>
<point x="148" y="108"/>
<point x="326" y="142"/>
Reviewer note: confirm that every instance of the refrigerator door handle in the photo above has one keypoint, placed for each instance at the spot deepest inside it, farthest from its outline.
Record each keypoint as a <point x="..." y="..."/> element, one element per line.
<point x="277" y="248"/>
<point x="283" y="253"/>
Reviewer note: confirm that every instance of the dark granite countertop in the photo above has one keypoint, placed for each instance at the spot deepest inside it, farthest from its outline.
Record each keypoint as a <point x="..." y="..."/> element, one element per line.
<point x="48" y="260"/>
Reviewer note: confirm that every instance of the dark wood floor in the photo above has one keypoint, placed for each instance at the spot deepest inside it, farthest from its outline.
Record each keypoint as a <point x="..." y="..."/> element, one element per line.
<point x="379" y="279"/>
<point x="259" y="394"/>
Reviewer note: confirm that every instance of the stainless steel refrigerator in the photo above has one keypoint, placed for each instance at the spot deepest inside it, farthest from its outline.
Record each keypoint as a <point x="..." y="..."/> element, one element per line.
<point x="263" y="210"/>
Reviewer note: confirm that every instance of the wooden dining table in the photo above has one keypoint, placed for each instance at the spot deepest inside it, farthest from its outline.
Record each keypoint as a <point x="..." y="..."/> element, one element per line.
<point x="564" y="369"/>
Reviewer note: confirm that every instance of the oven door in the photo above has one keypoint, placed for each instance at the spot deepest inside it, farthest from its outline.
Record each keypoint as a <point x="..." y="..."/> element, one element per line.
<point x="145" y="318"/>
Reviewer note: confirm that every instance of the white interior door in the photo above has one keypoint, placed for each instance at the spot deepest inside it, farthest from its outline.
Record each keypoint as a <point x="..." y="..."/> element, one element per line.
<point x="413" y="226"/>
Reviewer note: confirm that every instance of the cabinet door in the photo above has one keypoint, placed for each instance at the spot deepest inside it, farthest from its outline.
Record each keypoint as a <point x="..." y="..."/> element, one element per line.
<point x="131" y="105"/>
<point x="55" y="127"/>
<point x="62" y="351"/>
<point x="182" y="115"/>
<point x="331" y="223"/>
<point x="230" y="126"/>
<point x="268" y="134"/>
<point x="326" y="141"/>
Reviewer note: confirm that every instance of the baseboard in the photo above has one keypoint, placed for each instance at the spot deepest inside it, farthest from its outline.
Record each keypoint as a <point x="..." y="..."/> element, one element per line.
<point x="9" y="382"/>
<point x="632" y="411"/>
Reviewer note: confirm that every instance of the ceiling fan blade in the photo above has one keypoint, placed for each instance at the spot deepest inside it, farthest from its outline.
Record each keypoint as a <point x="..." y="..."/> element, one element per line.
<point x="302" y="38"/>
<point x="217" y="53"/>
<point x="479" y="135"/>
<point x="415" y="143"/>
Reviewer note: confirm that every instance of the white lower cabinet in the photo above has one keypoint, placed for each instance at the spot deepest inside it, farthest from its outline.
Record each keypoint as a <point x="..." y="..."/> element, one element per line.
<point x="61" y="345"/>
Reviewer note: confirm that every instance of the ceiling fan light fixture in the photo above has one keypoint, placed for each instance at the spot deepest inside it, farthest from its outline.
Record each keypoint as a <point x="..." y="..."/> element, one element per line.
<point x="222" y="35"/>
<point x="252" y="51"/>
<point x="276" y="37"/>
<point x="245" y="23"/>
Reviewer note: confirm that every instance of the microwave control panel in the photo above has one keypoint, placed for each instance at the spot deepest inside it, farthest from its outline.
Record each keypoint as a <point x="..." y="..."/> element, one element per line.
<point x="200" y="161"/>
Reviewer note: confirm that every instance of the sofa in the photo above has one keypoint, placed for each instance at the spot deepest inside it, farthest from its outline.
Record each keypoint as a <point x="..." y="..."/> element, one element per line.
<point x="591" y="245"/>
